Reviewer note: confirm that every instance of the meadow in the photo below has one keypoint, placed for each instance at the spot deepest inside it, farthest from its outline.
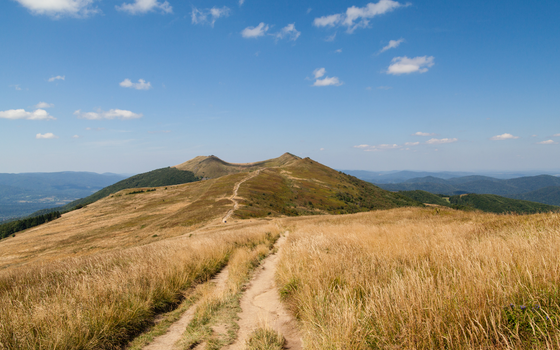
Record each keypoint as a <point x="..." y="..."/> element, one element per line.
<point x="414" y="278"/>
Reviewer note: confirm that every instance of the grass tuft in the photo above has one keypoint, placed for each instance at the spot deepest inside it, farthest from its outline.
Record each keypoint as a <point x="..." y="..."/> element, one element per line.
<point x="265" y="339"/>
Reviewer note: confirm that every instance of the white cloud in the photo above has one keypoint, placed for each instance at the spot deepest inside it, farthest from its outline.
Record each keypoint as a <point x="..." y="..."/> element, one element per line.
<point x="555" y="135"/>
<point x="503" y="137"/>
<point x="405" y="65"/>
<point x="547" y="142"/>
<point x="384" y="87"/>
<point x="58" y="77"/>
<point x="319" y="72"/>
<point x="39" y="114"/>
<point x="289" y="32"/>
<point x="59" y="8"/>
<point x="327" y="21"/>
<point x="393" y="44"/>
<point x="412" y="143"/>
<point x="338" y="51"/>
<point x="111" y="114"/>
<point x="255" y="32"/>
<point x="209" y="16"/>
<point x="357" y="17"/>
<point x="140" y="85"/>
<point x="321" y="149"/>
<point x="144" y="6"/>
<point x="326" y="81"/>
<point x="440" y="141"/>
<point x="16" y="87"/>
<point x="241" y="2"/>
<point x="76" y="136"/>
<point x="48" y="135"/>
<point x="44" y="105"/>
<point x="419" y="133"/>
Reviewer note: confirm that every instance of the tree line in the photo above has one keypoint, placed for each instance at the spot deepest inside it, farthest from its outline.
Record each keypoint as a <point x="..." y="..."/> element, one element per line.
<point x="15" y="226"/>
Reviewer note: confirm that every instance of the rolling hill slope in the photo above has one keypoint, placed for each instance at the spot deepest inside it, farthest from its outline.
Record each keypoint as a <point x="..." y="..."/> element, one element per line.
<point x="136" y="216"/>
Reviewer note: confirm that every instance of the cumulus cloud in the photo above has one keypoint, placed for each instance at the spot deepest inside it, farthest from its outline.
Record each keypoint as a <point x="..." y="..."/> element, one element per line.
<point x="405" y="65"/>
<point x="547" y="142"/>
<point x="58" y="77"/>
<point x="111" y="114"/>
<point x="140" y="85"/>
<point x="555" y="135"/>
<point x="393" y="44"/>
<point x="440" y="141"/>
<point x="419" y="133"/>
<point x="288" y="32"/>
<point x="503" y="137"/>
<point x="338" y="51"/>
<point x="412" y="143"/>
<point x="319" y="72"/>
<point x="16" y="87"/>
<point x="76" y="136"/>
<point x="144" y="6"/>
<point x="255" y="32"/>
<point x="357" y="17"/>
<point x="209" y="16"/>
<point x="326" y="81"/>
<point x="48" y="135"/>
<point x="44" y="105"/>
<point x="38" y="114"/>
<point x="60" y="8"/>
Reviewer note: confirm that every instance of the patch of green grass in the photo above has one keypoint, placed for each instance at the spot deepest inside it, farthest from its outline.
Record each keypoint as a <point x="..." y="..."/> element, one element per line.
<point x="265" y="339"/>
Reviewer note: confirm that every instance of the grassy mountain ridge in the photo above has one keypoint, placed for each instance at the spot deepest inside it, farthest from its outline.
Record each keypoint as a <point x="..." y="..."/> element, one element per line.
<point x="306" y="187"/>
<point x="547" y="195"/>
<point x="211" y="167"/>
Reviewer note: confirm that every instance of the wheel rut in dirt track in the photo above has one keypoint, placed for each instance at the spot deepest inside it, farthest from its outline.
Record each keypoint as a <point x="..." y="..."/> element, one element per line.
<point x="261" y="306"/>
<point x="167" y="341"/>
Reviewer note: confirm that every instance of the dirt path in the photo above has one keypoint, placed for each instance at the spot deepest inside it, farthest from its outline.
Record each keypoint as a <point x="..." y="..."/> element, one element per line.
<point x="167" y="341"/>
<point x="235" y="189"/>
<point x="261" y="306"/>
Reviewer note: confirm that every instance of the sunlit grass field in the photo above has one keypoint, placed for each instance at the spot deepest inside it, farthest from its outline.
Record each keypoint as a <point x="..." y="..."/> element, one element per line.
<point x="101" y="301"/>
<point x="416" y="278"/>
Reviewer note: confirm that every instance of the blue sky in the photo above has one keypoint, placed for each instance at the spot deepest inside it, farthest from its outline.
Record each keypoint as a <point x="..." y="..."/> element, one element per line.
<point x="132" y="85"/>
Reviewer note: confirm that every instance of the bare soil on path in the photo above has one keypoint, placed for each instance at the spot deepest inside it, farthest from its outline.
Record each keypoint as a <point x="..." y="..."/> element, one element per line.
<point x="167" y="341"/>
<point x="235" y="189"/>
<point x="261" y="307"/>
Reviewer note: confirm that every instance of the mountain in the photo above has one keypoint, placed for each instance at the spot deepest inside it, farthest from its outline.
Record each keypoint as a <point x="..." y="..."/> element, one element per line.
<point x="285" y="186"/>
<point x="22" y="194"/>
<point x="476" y="184"/>
<point x="547" y="195"/>
<point x="497" y="204"/>
<point x="211" y="167"/>
<point x="485" y="202"/>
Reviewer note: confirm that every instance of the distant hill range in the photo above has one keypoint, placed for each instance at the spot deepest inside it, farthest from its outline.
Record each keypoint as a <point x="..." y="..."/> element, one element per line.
<point x="485" y="202"/>
<point x="393" y="177"/>
<point x="542" y="188"/>
<point x="23" y="194"/>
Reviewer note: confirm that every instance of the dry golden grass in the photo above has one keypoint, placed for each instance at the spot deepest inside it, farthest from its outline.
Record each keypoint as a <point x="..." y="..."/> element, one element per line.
<point x="99" y="302"/>
<point x="414" y="279"/>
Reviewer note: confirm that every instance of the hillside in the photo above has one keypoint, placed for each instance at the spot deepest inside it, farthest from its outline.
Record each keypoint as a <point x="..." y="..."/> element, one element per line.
<point x="22" y="194"/>
<point x="476" y="184"/>
<point x="155" y="178"/>
<point x="496" y="204"/>
<point x="547" y="195"/>
<point x="426" y="197"/>
<point x="211" y="167"/>
<point x="136" y="216"/>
